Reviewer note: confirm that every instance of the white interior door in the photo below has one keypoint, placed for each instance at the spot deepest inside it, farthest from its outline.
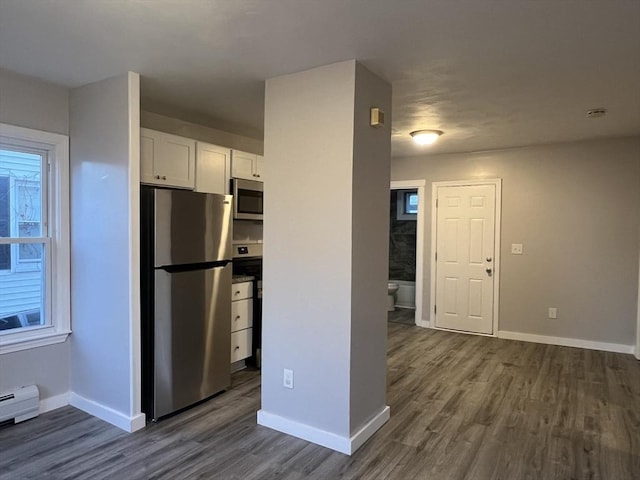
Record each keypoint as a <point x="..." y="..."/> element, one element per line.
<point x="465" y="257"/>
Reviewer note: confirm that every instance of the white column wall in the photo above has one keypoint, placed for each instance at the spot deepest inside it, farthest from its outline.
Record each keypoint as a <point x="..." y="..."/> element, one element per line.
<point x="104" y="372"/>
<point x="307" y="246"/>
<point x="370" y="250"/>
<point x="323" y="235"/>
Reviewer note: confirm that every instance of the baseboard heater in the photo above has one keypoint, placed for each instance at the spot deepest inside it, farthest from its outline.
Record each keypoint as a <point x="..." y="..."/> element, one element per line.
<point x="20" y="404"/>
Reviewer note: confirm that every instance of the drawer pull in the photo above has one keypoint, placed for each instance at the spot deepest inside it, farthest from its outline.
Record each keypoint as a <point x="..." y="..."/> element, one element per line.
<point x="237" y="317"/>
<point x="237" y="347"/>
<point x="237" y="292"/>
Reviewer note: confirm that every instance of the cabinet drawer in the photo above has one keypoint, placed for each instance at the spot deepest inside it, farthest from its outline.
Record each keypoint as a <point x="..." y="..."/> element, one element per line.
<point x="241" y="344"/>
<point x="240" y="291"/>
<point x="241" y="314"/>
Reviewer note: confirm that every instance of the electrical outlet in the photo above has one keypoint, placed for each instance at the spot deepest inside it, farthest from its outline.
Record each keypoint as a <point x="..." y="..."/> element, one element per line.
<point x="516" y="248"/>
<point x="553" y="312"/>
<point x="287" y="381"/>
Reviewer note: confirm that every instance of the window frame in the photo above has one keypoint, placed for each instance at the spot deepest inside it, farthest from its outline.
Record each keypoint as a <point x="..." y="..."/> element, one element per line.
<point x="23" y="264"/>
<point x="401" y="201"/>
<point x="55" y="185"/>
<point x="9" y="266"/>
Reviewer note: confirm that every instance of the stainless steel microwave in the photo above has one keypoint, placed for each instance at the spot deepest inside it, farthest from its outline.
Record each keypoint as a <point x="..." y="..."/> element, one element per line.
<point x="247" y="199"/>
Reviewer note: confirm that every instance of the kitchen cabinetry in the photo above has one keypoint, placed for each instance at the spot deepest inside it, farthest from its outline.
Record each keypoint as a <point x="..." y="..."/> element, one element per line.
<point x="247" y="165"/>
<point x="166" y="159"/>
<point x="241" y="320"/>
<point x="212" y="168"/>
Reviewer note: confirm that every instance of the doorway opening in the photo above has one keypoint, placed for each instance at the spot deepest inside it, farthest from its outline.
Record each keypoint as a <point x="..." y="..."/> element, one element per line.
<point x="406" y="250"/>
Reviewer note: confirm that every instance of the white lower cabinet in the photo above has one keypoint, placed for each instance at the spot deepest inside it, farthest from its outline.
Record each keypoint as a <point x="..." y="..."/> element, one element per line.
<point x="241" y="314"/>
<point x="241" y="344"/>
<point x="241" y="321"/>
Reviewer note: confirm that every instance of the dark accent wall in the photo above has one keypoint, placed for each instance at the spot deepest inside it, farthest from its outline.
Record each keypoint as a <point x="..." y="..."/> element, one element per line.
<point x="402" y="244"/>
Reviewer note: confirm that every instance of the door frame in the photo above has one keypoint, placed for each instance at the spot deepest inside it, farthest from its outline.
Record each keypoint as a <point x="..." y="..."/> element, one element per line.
<point x="637" y="350"/>
<point x="420" y="186"/>
<point x="497" y="182"/>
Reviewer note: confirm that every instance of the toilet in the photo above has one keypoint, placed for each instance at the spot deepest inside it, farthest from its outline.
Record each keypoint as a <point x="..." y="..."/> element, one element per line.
<point x="392" y="289"/>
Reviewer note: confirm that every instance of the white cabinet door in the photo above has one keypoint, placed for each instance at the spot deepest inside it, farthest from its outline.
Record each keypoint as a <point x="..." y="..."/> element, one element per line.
<point x="243" y="165"/>
<point x="212" y="168"/>
<point x="259" y="171"/>
<point x="241" y="314"/>
<point x="241" y="343"/>
<point x="147" y="146"/>
<point x="167" y="159"/>
<point x="242" y="290"/>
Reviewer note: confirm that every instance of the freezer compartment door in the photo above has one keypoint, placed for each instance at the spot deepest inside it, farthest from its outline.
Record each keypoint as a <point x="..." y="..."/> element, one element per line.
<point x="191" y="227"/>
<point x="192" y="342"/>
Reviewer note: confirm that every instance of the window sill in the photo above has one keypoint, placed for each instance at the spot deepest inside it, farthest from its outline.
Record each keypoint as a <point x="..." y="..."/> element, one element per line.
<point x="40" y="339"/>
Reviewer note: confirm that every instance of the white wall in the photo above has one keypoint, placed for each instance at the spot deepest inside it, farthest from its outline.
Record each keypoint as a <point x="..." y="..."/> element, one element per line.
<point x="325" y="254"/>
<point x="576" y="208"/>
<point x="369" y="250"/>
<point x="196" y="131"/>
<point x="105" y="204"/>
<point x="307" y="236"/>
<point x="30" y="103"/>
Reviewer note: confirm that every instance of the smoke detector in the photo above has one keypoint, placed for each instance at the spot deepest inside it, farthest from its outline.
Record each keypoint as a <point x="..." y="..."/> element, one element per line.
<point x="596" y="112"/>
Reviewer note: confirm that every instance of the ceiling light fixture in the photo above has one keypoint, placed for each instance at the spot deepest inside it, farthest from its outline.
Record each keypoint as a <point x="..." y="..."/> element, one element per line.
<point x="426" y="137"/>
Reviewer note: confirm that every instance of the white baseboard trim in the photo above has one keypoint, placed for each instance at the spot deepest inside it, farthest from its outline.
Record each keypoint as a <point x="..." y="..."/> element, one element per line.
<point x="51" y="403"/>
<point x="108" y="414"/>
<point x="567" y="342"/>
<point x="368" y="429"/>
<point x="423" y="323"/>
<point x="321" y="437"/>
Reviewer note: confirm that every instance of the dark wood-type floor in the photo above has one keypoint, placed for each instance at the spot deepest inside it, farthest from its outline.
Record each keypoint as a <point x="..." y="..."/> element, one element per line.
<point x="406" y="316"/>
<point x="462" y="406"/>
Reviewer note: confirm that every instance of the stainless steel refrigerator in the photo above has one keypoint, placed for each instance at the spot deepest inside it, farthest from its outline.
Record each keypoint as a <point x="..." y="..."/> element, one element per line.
<point x="186" y="297"/>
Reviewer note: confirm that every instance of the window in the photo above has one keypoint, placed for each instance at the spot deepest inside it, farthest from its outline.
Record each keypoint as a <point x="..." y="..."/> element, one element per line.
<point x="407" y="201"/>
<point x="34" y="238"/>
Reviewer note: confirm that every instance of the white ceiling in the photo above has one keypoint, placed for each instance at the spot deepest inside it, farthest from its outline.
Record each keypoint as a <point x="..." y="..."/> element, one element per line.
<point x="490" y="73"/>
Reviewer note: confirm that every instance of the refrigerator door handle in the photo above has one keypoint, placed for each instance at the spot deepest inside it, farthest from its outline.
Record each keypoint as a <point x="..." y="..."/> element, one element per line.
<point x="194" y="266"/>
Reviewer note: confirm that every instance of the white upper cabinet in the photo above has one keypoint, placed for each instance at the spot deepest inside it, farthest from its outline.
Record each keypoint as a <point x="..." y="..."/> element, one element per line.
<point x="167" y="159"/>
<point x="259" y="169"/>
<point x="246" y="165"/>
<point x="212" y="168"/>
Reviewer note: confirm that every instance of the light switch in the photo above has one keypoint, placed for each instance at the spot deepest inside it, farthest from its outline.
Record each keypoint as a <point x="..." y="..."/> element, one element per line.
<point x="516" y="248"/>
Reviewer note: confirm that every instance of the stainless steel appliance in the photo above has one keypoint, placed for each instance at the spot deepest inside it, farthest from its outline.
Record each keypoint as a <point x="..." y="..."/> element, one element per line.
<point x="186" y="297"/>
<point x="248" y="199"/>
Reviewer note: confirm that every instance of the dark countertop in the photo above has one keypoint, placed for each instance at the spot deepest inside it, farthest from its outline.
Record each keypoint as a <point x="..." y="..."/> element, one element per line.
<point x="242" y="278"/>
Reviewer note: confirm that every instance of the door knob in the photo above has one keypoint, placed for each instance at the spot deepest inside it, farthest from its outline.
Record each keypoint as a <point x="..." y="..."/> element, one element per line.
<point x="489" y="259"/>
<point x="489" y="271"/>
